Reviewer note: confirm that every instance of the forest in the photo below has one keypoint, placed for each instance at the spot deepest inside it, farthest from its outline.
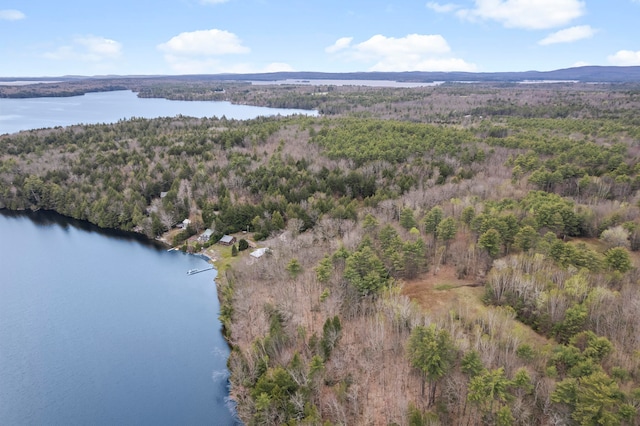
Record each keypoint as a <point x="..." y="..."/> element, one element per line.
<point x="463" y="254"/>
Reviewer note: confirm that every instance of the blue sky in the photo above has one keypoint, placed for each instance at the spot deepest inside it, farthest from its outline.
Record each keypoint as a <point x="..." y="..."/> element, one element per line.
<point x="53" y="38"/>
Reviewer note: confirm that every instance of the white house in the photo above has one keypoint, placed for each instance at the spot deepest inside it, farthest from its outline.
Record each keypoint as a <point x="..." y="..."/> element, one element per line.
<point x="204" y="237"/>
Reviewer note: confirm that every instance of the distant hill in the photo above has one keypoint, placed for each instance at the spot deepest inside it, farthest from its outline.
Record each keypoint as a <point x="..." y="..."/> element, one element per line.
<point x="595" y="74"/>
<point x="587" y="74"/>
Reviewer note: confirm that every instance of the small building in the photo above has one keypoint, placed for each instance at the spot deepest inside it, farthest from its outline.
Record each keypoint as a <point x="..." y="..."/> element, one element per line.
<point x="204" y="237"/>
<point x="259" y="252"/>
<point x="227" y="240"/>
<point x="185" y="224"/>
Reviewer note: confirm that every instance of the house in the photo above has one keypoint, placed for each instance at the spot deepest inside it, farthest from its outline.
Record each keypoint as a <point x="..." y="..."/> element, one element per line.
<point x="227" y="240"/>
<point x="185" y="224"/>
<point x="204" y="237"/>
<point x="259" y="252"/>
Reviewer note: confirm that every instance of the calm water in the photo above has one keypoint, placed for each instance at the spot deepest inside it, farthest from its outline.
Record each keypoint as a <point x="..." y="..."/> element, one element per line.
<point x="368" y="83"/>
<point x="109" y="107"/>
<point x="104" y="329"/>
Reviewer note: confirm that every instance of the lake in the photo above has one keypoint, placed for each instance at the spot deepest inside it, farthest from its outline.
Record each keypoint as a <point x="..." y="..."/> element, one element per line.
<point x="105" y="328"/>
<point x="109" y="107"/>
<point x="333" y="82"/>
<point x="101" y="327"/>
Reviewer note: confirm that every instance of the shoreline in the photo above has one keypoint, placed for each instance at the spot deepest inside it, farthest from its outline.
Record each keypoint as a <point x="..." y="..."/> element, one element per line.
<point x="213" y="256"/>
<point x="125" y="241"/>
<point x="210" y="254"/>
<point x="53" y="216"/>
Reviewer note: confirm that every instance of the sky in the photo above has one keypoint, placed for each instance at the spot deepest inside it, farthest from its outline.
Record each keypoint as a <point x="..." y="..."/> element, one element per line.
<point x="167" y="37"/>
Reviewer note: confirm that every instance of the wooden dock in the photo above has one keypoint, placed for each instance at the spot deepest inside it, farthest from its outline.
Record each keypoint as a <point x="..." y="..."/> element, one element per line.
<point x="197" y="271"/>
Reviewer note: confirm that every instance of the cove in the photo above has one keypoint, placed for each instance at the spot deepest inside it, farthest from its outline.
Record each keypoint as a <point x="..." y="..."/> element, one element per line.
<point x="102" y="327"/>
<point x="109" y="107"/>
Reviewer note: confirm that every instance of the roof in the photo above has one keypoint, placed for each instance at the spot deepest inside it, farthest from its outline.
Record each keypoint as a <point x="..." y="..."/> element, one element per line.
<point x="207" y="233"/>
<point x="226" y="239"/>
<point x="259" y="252"/>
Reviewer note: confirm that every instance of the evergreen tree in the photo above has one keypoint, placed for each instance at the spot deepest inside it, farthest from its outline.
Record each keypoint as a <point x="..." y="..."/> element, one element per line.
<point x="526" y="239"/>
<point x="294" y="268"/>
<point x="432" y="220"/>
<point x="407" y="221"/>
<point x="491" y="242"/>
<point x="432" y="352"/>
<point x="277" y="222"/>
<point x="618" y="259"/>
<point x="467" y="215"/>
<point x="369" y="222"/>
<point x="324" y="269"/>
<point x="365" y="271"/>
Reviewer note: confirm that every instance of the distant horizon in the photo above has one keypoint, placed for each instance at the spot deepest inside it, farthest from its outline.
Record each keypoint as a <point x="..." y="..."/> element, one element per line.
<point x="355" y="74"/>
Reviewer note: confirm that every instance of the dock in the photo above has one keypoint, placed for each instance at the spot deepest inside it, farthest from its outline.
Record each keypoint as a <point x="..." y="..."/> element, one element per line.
<point x="197" y="271"/>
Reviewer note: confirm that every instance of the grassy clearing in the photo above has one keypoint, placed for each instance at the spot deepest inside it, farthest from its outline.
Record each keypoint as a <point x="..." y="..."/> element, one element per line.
<point x="444" y="286"/>
<point x="443" y="293"/>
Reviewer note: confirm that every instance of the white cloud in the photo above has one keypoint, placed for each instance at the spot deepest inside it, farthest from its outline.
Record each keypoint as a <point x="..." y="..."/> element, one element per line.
<point x="527" y="14"/>
<point x="340" y="44"/>
<point x="87" y="48"/>
<point x="11" y="15"/>
<point x="199" y="52"/>
<point x="204" y="43"/>
<point x="413" y="44"/>
<point x="568" y="35"/>
<point x="414" y="52"/>
<point x="442" y="8"/>
<point x="625" y="58"/>
<point x="100" y="47"/>
<point x="580" y="64"/>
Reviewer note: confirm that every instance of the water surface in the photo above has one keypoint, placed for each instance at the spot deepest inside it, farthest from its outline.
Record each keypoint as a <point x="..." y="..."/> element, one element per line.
<point x="334" y="82"/>
<point x="102" y="328"/>
<point x="109" y="107"/>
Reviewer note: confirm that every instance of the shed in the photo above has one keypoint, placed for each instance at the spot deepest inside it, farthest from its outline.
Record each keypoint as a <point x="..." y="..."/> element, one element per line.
<point x="259" y="253"/>
<point x="186" y="223"/>
<point x="227" y="240"/>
